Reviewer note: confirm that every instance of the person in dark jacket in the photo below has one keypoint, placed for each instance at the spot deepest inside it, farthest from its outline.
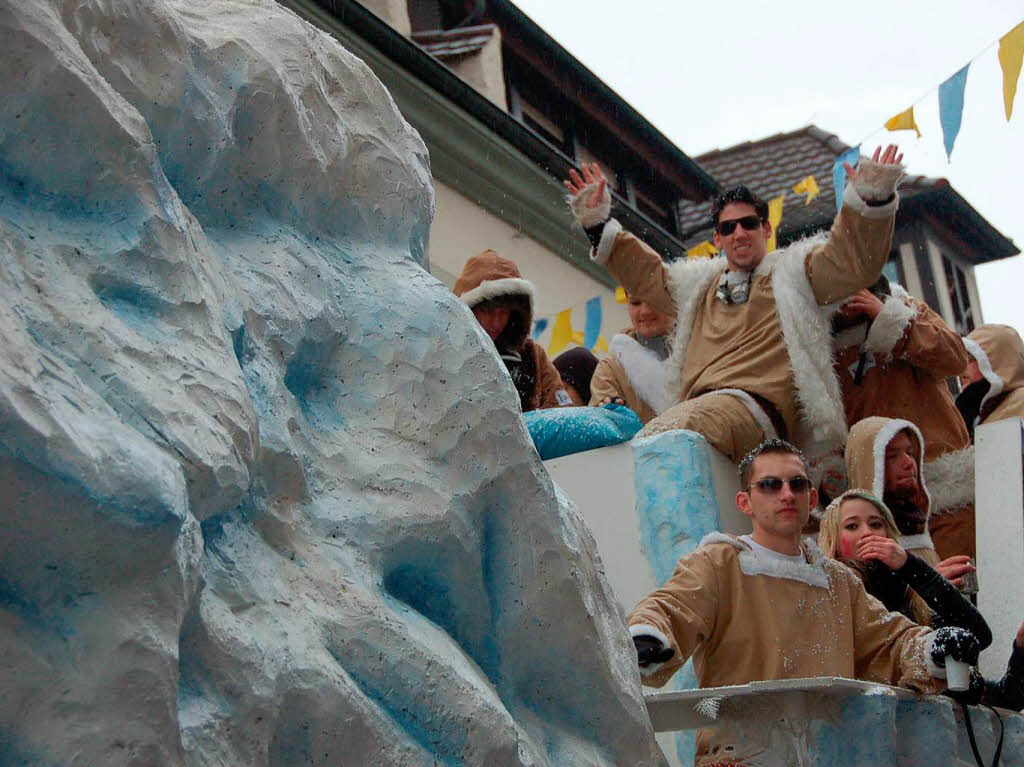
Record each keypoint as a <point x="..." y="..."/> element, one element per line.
<point x="576" y="366"/>
<point x="860" y="531"/>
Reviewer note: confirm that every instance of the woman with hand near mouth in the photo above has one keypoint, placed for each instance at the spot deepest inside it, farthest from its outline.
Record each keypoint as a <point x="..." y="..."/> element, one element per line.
<point x="859" y="530"/>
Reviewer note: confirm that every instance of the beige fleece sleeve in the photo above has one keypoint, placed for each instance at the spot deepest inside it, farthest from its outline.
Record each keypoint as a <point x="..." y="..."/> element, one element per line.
<point x="682" y="611"/>
<point x="640" y="270"/>
<point x="604" y="383"/>
<point x="931" y="345"/>
<point x="854" y="254"/>
<point x="888" y="647"/>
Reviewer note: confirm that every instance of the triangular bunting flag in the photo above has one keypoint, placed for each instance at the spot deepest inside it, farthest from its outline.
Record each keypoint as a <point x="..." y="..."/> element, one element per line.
<point x="592" y="328"/>
<point x="601" y="345"/>
<point x="620" y="295"/>
<point x="1011" y="52"/>
<point x="703" y="250"/>
<point x="903" y="121"/>
<point x="807" y="186"/>
<point x="775" y="218"/>
<point x="951" y="108"/>
<point x="851" y="156"/>
<point x="539" y="327"/>
<point x="561" y="332"/>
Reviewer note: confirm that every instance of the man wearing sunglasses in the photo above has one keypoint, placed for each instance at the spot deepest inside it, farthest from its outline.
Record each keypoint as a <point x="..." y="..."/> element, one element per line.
<point x="770" y="606"/>
<point x="750" y="351"/>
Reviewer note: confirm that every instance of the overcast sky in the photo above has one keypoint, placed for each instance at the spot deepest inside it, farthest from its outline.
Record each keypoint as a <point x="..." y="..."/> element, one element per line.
<point x="712" y="74"/>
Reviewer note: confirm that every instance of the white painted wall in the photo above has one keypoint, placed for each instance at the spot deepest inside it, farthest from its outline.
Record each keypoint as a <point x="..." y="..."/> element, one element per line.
<point x="999" y="502"/>
<point x="462" y="229"/>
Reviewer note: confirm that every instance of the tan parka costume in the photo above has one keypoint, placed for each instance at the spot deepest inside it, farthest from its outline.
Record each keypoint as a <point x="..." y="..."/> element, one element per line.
<point x="865" y="468"/>
<point x="999" y="352"/>
<point x="909" y="352"/>
<point x="633" y="373"/>
<point x="488" y="276"/>
<point x="743" y="617"/>
<point x="773" y="349"/>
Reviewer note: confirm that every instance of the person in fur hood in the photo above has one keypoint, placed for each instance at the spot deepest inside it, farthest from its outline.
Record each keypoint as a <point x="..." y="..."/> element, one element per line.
<point x="884" y="457"/>
<point x="893" y="355"/>
<point x="636" y="368"/>
<point x="770" y="606"/>
<point x="993" y="379"/>
<point x="502" y="302"/>
<point x="750" y="351"/>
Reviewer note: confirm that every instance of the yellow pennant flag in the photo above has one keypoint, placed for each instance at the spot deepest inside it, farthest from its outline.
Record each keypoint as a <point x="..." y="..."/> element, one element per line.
<point x="775" y="218"/>
<point x="1011" y="52"/>
<point x="704" y="250"/>
<point x="577" y="337"/>
<point x="561" y="332"/>
<point x="601" y="345"/>
<point x="620" y="295"/>
<point x="903" y="121"/>
<point x="807" y="186"/>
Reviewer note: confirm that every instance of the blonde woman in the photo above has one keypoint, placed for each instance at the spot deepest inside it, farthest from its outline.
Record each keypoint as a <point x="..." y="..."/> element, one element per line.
<point x="859" y="530"/>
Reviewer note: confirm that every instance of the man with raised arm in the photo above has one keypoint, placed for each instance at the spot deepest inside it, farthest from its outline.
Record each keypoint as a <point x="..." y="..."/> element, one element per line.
<point x="750" y="353"/>
<point x="770" y="606"/>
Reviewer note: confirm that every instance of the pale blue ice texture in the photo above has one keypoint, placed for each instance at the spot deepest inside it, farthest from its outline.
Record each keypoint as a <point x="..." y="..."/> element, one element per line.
<point x="676" y="506"/>
<point x="266" y="494"/>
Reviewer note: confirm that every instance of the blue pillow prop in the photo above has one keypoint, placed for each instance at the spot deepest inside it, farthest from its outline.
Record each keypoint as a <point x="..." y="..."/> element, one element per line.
<point x="567" y="430"/>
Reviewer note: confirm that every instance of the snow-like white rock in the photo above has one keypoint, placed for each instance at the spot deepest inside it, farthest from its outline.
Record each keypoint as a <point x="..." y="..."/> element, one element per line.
<point x="266" y="497"/>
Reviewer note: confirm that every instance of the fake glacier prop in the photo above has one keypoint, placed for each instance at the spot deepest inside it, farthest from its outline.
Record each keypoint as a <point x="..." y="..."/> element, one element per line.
<point x="266" y="495"/>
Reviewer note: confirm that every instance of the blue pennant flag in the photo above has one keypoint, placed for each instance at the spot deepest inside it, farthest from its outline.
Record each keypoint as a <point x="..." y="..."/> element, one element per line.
<point x="539" y="327"/>
<point x="951" y="108"/>
<point x="851" y="156"/>
<point x="592" y="329"/>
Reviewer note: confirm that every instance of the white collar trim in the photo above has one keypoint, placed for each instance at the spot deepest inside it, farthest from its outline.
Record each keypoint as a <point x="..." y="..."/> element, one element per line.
<point x="811" y="571"/>
<point x="647" y="374"/>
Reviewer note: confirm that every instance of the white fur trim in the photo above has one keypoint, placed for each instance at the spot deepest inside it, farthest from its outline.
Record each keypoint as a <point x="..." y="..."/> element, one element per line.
<point x="807" y="332"/>
<point x="754" y="409"/>
<point x="882" y="440"/>
<point x="891" y="324"/>
<point x="717" y="537"/>
<point x="689" y="280"/>
<point x="874" y="182"/>
<point x="918" y="541"/>
<point x="939" y="672"/>
<point x="812" y="573"/>
<point x="985" y="366"/>
<point x="646" y="373"/>
<point x="603" y="251"/>
<point x="585" y="216"/>
<point x="950" y="480"/>
<point x="646" y="629"/>
<point x="507" y="286"/>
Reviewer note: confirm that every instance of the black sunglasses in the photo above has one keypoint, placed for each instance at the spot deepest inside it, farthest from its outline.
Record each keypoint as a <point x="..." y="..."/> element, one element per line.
<point x="773" y="485"/>
<point x="750" y="223"/>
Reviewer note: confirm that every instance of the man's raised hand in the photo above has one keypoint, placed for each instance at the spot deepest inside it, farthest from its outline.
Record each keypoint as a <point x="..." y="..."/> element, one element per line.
<point x="891" y="156"/>
<point x="591" y="173"/>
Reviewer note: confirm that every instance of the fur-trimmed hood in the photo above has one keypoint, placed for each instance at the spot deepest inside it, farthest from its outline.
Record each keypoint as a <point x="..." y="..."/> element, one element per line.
<point x="999" y="352"/>
<point x="865" y="464"/>
<point x="488" y="276"/>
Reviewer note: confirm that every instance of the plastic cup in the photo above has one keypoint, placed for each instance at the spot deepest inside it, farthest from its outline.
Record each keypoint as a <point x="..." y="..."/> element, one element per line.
<point x="958" y="674"/>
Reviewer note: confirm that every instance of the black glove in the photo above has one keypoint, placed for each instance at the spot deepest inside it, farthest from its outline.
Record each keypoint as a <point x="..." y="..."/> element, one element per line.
<point x="956" y="642"/>
<point x="594" y="233"/>
<point x="650" y="650"/>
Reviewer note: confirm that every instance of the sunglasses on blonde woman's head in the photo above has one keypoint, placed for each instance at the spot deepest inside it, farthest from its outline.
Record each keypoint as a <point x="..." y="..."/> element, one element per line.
<point x="773" y="485"/>
<point x="750" y="223"/>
